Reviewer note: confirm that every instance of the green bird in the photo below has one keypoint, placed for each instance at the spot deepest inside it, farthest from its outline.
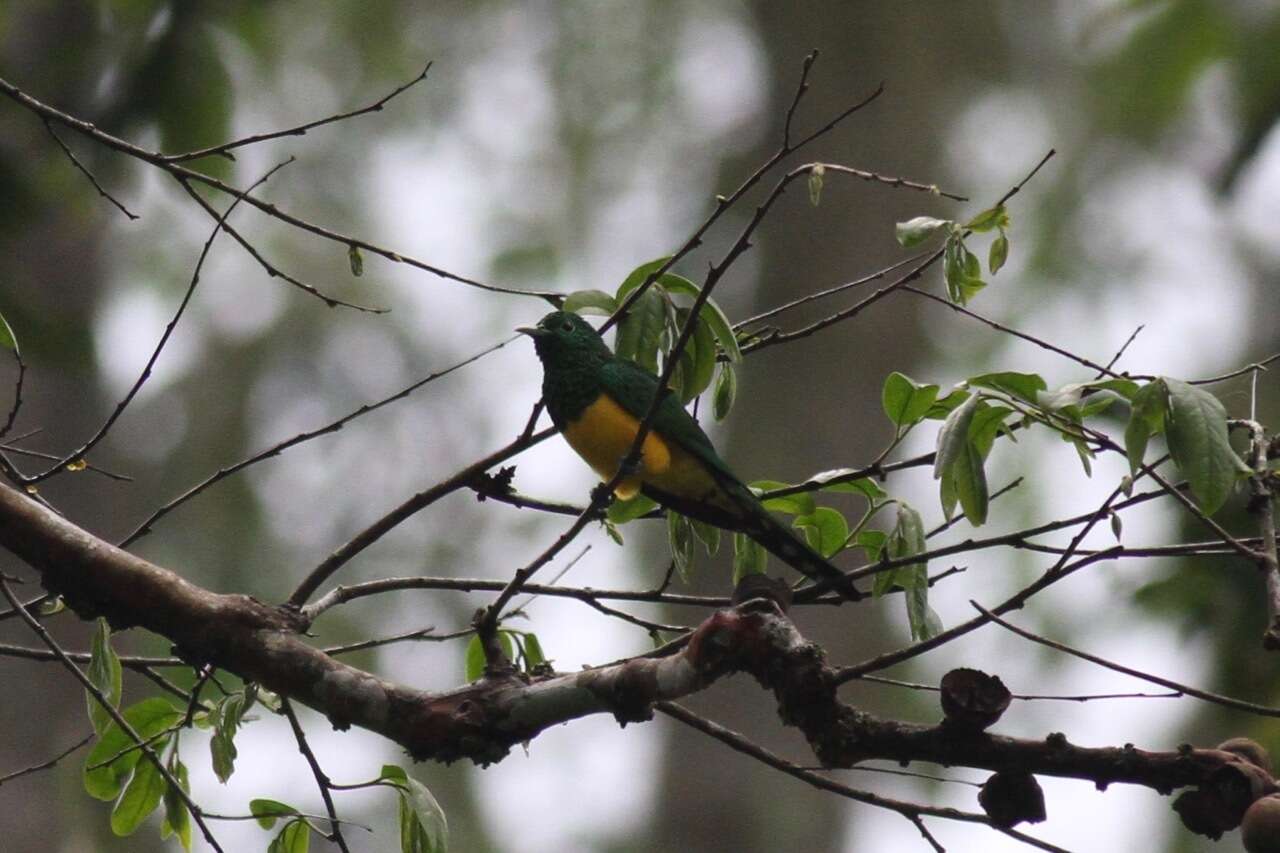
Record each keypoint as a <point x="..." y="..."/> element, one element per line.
<point x="597" y="400"/>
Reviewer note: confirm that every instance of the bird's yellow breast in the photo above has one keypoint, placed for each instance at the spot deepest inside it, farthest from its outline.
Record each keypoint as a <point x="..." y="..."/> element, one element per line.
<point x="605" y="431"/>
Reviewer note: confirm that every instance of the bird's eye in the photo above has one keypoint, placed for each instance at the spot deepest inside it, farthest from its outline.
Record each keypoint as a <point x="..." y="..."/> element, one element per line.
<point x="567" y="326"/>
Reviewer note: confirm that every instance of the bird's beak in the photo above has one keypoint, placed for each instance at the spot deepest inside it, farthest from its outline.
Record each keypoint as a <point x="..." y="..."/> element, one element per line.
<point x="532" y="331"/>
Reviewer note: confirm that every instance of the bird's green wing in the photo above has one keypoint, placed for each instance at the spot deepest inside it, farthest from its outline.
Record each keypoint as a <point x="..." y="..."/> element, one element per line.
<point x="633" y="387"/>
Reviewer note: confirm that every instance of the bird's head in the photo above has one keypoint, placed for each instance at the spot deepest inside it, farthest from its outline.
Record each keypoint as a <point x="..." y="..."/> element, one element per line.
<point x="563" y="337"/>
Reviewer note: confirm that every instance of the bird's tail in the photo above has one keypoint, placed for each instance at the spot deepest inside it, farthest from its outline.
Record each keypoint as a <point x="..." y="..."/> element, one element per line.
<point x="786" y="546"/>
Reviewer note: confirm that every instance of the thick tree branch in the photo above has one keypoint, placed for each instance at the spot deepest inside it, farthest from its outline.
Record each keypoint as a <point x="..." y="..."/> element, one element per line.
<point x="483" y="720"/>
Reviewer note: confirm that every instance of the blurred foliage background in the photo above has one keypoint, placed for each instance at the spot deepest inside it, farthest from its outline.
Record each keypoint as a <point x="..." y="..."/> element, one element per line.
<point x="558" y="145"/>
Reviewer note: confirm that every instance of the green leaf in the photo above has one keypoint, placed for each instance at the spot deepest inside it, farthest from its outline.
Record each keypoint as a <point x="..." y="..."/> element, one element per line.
<point x="590" y="302"/>
<point x="915" y="231"/>
<point x="708" y="535"/>
<point x="989" y="219"/>
<point x="1198" y="442"/>
<point x="947" y="495"/>
<point x="907" y="536"/>
<point x="825" y="529"/>
<point x="872" y="542"/>
<point x="148" y="718"/>
<point x="269" y="811"/>
<point x="672" y="283"/>
<point x="105" y="674"/>
<point x="970" y="483"/>
<point x="7" y="338"/>
<point x="620" y="512"/>
<point x="697" y="363"/>
<point x="1147" y="410"/>
<point x="475" y="662"/>
<point x="533" y="654"/>
<point x="864" y="486"/>
<point x="749" y="557"/>
<point x="725" y="393"/>
<point x="954" y="436"/>
<point x="1098" y="402"/>
<point x="222" y="753"/>
<point x="815" y="183"/>
<point x="1022" y="386"/>
<point x="294" y="838"/>
<point x="945" y="406"/>
<point x="905" y="401"/>
<point x="614" y="533"/>
<point x="680" y="537"/>
<point x="394" y="774"/>
<point x="799" y="503"/>
<point x="423" y="827"/>
<point x="637" y="276"/>
<point x="924" y="621"/>
<point x="356" y="260"/>
<point x="177" y="819"/>
<point x="710" y="313"/>
<point x="953" y="269"/>
<point x="1126" y="388"/>
<point x="140" y="798"/>
<point x="640" y="331"/>
<point x="998" y="253"/>
<point x="905" y="540"/>
<point x="987" y="423"/>
<point x="1070" y="394"/>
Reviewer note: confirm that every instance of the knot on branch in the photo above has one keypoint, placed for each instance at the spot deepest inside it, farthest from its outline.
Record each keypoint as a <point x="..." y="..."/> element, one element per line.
<point x="1219" y="803"/>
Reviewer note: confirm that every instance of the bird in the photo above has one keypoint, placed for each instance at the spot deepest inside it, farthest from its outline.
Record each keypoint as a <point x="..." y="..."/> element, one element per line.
<point x="597" y="399"/>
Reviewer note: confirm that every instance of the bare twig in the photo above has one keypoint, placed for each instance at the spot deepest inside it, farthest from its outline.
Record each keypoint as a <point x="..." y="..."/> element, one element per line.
<point x="17" y="383"/>
<point x="1027" y="697"/>
<point x="388" y="522"/>
<point x="832" y="291"/>
<point x="1124" y="346"/>
<point x="322" y="780"/>
<point x="80" y="452"/>
<point x="84" y="170"/>
<point x="1205" y="695"/>
<point x="300" y="130"/>
<point x="1008" y="330"/>
<point x="1248" y="368"/>
<point x="45" y="765"/>
<point x="278" y="448"/>
<point x="912" y="811"/>
<point x="271" y="269"/>
<point x="44" y="111"/>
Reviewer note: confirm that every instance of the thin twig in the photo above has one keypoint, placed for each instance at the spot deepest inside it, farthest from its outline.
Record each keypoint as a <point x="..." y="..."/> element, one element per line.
<point x="1248" y="368"/>
<point x="45" y="111"/>
<point x="322" y="780"/>
<point x="1205" y="695"/>
<point x="280" y="447"/>
<point x="1124" y="346"/>
<point x="340" y="557"/>
<point x="1008" y="330"/>
<point x="912" y="811"/>
<point x="114" y="713"/>
<point x="44" y="765"/>
<point x="1027" y="697"/>
<point x="299" y="130"/>
<point x="831" y="291"/>
<point x="271" y="269"/>
<point x="80" y="452"/>
<point x="84" y="170"/>
<point x="17" y="385"/>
